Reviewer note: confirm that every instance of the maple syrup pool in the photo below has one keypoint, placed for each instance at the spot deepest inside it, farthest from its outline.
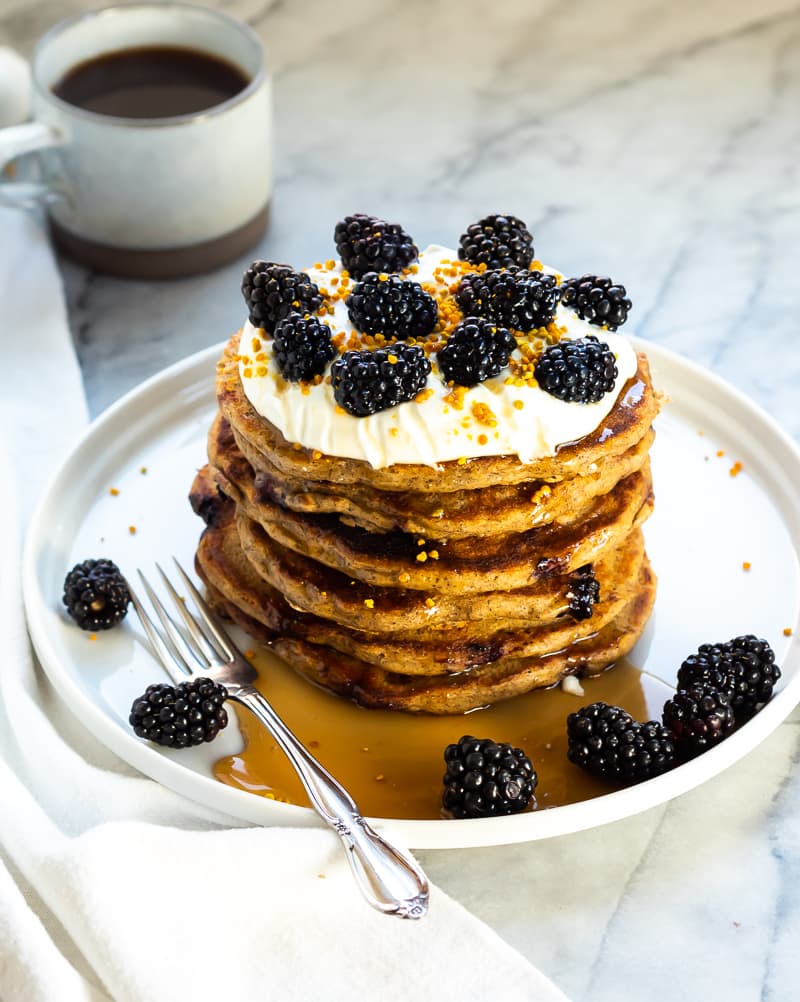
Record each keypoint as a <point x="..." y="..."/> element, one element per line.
<point x="392" y="763"/>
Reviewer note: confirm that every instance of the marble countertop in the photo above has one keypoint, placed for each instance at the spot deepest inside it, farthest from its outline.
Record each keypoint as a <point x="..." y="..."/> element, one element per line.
<point x="655" y="142"/>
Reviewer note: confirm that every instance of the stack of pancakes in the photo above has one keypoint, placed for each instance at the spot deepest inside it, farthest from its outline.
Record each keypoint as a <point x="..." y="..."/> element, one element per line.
<point x="435" y="589"/>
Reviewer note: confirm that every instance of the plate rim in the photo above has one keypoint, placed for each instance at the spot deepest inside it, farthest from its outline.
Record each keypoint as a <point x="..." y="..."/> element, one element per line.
<point x="246" y="807"/>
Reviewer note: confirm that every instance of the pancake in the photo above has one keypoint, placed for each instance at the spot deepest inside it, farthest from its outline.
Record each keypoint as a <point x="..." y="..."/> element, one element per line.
<point x="450" y="648"/>
<point x="312" y="587"/>
<point x="626" y="424"/>
<point x="375" y="688"/>
<point x="449" y="515"/>
<point x="460" y="565"/>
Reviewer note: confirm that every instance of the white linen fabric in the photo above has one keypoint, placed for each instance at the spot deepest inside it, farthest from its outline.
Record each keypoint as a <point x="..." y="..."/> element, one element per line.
<point x="112" y="886"/>
<point x="15" y="87"/>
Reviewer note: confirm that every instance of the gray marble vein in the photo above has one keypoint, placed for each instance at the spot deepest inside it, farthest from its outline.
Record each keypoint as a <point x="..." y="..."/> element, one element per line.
<point x="656" y="142"/>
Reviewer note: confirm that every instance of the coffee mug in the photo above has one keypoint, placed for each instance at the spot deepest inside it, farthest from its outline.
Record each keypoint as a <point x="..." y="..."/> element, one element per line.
<point x="153" y="197"/>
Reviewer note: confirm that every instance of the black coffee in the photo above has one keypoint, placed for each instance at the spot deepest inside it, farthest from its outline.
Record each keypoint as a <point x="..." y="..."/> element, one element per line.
<point x="153" y="82"/>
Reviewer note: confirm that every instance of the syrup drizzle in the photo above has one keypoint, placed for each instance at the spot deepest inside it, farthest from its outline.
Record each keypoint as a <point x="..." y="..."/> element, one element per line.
<point x="392" y="763"/>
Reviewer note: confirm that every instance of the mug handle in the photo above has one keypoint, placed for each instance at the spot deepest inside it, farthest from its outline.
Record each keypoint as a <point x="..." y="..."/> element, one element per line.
<point x="17" y="141"/>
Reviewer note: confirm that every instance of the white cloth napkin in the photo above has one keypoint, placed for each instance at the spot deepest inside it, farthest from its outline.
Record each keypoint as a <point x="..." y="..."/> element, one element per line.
<point x="112" y="886"/>
<point x="15" y="87"/>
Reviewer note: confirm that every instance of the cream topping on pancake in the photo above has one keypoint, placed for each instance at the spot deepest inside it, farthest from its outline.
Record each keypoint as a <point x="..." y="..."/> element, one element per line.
<point x="495" y="418"/>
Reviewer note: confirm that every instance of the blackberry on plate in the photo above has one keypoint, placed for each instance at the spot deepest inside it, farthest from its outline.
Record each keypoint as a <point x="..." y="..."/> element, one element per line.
<point x="273" y="291"/>
<point x="698" y="719"/>
<point x="366" y="243"/>
<point x="388" y="305"/>
<point x="754" y="670"/>
<point x="498" y="242"/>
<point x="743" y="667"/>
<point x="485" y="778"/>
<point x="607" y="742"/>
<point x="96" y="594"/>
<point x="580" y="371"/>
<point x="180" y="716"/>
<point x="365" y="382"/>
<point x="583" y="591"/>
<point x="597" y="299"/>
<point x="520" y="299"/>
<point x="303" y="347"/>
<point x="475" y="350"/>
<point x="707" y="669"/>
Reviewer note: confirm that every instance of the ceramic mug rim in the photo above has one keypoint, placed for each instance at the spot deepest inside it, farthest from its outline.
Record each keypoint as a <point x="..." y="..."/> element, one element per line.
<point x="47" y="94"/>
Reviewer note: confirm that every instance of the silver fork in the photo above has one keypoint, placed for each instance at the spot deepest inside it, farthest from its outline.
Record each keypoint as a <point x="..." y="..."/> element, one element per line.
<point x="389" y="879"/>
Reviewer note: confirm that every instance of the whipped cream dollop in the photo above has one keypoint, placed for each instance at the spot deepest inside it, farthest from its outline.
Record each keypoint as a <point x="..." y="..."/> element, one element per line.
<point x="499" y="417"/>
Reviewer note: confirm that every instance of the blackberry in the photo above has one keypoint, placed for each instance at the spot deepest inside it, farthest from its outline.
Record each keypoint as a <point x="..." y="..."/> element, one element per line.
<point x="583" y="591"/>
<point x="485" y="778"/>
<point x="755" y="672"/>
<point x="303" y="347"/>
<point x="388" y="305"/>
<point x="580" y="371"/>
<point x="607" y="742"/>
<point x="498" y="242"/>
<point x="698" y="719"/>
<point x="475" y="350"/>
<point x="597" y="299"/>
<point x="707" y="669"/>
<point x="96" y="594"/>
<point x="366" y="243"/>
<point x="180" y="716"/>
<point x="523" y="300"/>
<point x="365" y="382"/>
<point x="743" y="667"/>
<point x="273" y="291"/>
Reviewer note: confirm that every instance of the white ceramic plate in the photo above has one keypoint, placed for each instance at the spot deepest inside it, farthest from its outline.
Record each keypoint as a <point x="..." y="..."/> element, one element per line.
<point x="707" y="524"/>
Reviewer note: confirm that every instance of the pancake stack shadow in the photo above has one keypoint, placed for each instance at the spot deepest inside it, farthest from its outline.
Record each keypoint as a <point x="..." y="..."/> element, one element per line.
<point x="429" y="589"/>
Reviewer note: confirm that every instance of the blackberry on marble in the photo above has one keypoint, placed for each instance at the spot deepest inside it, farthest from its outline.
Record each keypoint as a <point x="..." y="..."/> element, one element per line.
<point x="388" y="305"/>
<point x="273" y="291"/>
<point x="497" y="241"/>
<point x="485" y="778"/>
<point x="365" y="382"/>
<point x="366" y="243"/>
<point x="475" y="350"/>
<point x="302" y="346"/>
<point x="597" y="299"/>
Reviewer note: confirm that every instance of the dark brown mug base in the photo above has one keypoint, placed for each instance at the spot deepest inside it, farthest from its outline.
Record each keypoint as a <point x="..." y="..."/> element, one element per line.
<point x="170" y="262"/>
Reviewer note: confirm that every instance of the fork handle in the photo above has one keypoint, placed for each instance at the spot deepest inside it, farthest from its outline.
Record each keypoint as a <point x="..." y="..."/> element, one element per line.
<point x="390" y="879"/>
